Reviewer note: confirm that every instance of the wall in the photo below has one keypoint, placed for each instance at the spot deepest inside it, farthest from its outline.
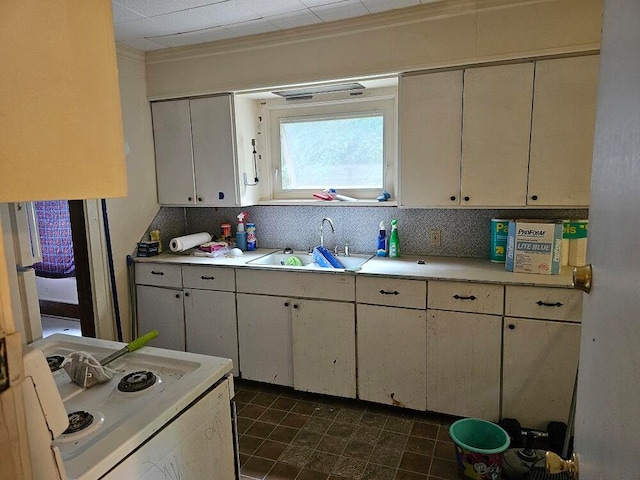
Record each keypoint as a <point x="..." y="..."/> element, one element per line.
<point x="438" y="34"/>
<point x="464" y="232"/>
<point x="130" y="216"/>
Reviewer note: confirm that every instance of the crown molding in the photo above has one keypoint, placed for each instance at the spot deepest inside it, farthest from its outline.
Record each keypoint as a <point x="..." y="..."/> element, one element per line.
<point x="129" y="52"/>
<point x="404" y="16"/>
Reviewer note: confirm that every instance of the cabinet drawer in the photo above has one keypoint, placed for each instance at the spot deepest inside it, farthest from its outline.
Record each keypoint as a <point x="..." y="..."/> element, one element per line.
<point x="391" y="292"/>
<point x="208" y="278"/>
<point x="466" y="297"/>
<point x="543" y="302"/>
<point x="159" y="275"/>
<point x="328" y="286"/>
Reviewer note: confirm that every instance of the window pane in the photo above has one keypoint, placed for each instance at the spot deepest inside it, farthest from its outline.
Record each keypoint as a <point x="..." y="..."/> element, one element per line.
<point x="340" y="153"/>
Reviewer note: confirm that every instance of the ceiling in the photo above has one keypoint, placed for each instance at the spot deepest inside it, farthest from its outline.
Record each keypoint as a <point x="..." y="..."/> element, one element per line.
<point x="155" y="24"/>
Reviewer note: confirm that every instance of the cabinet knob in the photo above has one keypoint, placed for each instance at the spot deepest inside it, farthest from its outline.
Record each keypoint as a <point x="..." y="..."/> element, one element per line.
<point x="189" y="198"/>
<point x="199" y="199"/>
<point x="386" y="292"/>
<point x="186" y="294"/>
<point x="177" y="295"/>
<point x="204" y="277"/>
<point x="453" y="198"/>
<point x="286" y="304"/>
<point x="534" y="197"/>
<point x="153" y="272"/>
<point x="512" y="326"/>
<point x="466" y="199"/>
<point x="295" y="305"/>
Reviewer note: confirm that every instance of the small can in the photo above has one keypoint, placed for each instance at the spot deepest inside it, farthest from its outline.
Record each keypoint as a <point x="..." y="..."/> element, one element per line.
<point x="225" y="231"/>
<point x="499" y="233"/>
<point x="154" y="235"/>
<point x="252" y="242"/>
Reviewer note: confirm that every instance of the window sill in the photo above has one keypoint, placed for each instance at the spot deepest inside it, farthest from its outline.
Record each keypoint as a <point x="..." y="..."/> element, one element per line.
<point x="329" y="203"/>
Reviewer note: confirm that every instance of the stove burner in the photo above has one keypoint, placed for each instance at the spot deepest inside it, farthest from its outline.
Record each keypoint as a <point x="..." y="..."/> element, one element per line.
<point x="55" y="362"/>
<point x="78" y="421"/>
<point x="137" y="381"/>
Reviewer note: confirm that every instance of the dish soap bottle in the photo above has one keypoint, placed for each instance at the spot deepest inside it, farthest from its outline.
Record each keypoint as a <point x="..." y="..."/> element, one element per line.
<point x="394" y="240"/>
<point x="241" y="235"/>
<point x="382" y="241"/>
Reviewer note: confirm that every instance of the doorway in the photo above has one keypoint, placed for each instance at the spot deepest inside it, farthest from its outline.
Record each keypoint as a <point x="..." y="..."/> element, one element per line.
<point x="64" y="273"/>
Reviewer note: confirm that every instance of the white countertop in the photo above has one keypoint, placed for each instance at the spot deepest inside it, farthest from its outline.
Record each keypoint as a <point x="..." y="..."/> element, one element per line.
<point x="434" y="268"/>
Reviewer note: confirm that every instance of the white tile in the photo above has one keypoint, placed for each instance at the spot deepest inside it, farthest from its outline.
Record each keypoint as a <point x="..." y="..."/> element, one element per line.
<point x="252" y="28"/>
<point x="51" y="325"/>
<point x="180" y="22"/>
<point x="122" y="14"/>
<point x="151" y="8"/>
<point x="227" y="13"/>
<point x="340" y="11"/>
<point x="272" y="7"/>
<point x="299" y="19"/>
<point x="376" y="6"/>
<point x="208" y="35"/>
<point x="317" y="3"/>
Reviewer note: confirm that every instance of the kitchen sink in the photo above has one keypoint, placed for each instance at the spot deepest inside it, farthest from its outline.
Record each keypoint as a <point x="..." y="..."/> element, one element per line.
<point x="305" y="261"/>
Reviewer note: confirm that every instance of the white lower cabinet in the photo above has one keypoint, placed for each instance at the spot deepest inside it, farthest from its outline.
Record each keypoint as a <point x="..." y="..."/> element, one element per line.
<point x="463" y="364"/>
<point x="210" y="324"/>
<point x="161" y="309"/>
<point x="392" y="360"/>
<point x="264" y="338"/>
<point x="540" y="364"/>
<point x="324" y="347"/>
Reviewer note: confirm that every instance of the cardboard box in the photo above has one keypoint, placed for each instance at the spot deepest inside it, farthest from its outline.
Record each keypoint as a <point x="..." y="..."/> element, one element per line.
<point x="534" y="246"/>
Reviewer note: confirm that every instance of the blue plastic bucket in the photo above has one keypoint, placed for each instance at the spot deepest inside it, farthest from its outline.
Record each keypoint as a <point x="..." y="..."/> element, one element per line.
<point x="479" y="448"/>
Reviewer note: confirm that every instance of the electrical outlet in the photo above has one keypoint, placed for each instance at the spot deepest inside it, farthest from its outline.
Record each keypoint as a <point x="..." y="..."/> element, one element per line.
<point x="435" y="237"/>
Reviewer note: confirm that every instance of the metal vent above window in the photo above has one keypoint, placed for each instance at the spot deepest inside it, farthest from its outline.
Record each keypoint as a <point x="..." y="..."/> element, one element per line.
<point x="310" y="91"/>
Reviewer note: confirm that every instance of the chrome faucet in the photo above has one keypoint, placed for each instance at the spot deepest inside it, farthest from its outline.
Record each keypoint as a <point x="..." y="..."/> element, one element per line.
<point x="333" y="229"/>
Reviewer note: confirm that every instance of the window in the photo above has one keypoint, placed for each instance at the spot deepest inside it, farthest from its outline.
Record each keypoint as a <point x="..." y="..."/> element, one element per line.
<point x="346" y="144"/>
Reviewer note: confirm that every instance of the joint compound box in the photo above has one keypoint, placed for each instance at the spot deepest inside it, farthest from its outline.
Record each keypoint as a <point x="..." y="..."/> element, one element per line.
<point x="534" y="246"/>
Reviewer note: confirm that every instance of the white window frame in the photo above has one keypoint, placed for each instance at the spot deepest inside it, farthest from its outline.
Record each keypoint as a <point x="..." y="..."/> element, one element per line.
<point x="342" y="105"/>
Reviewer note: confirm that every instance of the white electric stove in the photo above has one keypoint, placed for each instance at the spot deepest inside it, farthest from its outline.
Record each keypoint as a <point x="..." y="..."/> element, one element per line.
<point x="164" y="414"/>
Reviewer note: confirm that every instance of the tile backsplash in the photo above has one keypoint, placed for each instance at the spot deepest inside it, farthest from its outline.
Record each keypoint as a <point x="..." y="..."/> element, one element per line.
<point x="464" y="232"/>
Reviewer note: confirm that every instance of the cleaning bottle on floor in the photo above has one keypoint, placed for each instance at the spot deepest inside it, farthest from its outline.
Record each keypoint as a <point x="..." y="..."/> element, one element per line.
<point x="382" y="241"/>
<point x="394" y="240"/>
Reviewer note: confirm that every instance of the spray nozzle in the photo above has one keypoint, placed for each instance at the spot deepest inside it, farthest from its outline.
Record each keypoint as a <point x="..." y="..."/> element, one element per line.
<point x="242" y="216"/>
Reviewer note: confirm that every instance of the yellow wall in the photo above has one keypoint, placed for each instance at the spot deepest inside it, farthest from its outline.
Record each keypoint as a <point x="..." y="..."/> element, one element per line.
<point x="440" y="34"/>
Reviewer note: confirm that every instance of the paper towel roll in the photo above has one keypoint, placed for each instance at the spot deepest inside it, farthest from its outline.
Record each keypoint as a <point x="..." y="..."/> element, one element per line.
<point x="180" y="244"/>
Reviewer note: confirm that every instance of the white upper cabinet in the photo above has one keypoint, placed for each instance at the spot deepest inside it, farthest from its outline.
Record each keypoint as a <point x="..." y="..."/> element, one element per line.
<point x="430" y="129"/>
<point x="174" y="154"/>
<point x="564" y="113"/>
<point x="196" y="161"/>
<point x="495" y="135"/>
<point x="499" y="136"/>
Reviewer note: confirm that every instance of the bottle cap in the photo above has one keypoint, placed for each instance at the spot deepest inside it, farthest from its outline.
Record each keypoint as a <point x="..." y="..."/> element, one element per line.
<point x="382" y="226"/>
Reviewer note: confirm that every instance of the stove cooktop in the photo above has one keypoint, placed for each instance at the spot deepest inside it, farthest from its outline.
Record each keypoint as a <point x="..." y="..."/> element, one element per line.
<point x="158" y="384"/>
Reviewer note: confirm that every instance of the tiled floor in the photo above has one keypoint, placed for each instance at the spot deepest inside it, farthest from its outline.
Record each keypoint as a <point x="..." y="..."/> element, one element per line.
<point x="286" y="435"/>
<point x="51" y="325"/>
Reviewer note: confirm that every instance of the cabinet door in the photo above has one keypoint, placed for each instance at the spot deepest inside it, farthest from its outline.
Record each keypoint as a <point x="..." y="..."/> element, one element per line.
<point x="264" y="339"/>
<point x="562" y="130"/>
<point x="430" y="129"/>
<point x="174" y="158"/>
<point x="495" y="135"/>
<point x="463" y="364"/>
<point x="214" y="151"/>
<point x="161" y="309"/>
<point x="324" y="347"/>
<point x="540" y="364"/>
<point x="392" y="356"/>
<point x="210" y="324"/>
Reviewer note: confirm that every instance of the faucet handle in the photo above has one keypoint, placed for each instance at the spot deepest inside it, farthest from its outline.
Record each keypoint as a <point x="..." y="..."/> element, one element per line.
<point x="336" y="251"/>
<point x="346" y="249"/>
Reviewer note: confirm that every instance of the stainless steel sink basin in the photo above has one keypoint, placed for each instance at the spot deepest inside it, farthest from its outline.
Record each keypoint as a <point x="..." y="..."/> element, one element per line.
<point x="306" y="262"/>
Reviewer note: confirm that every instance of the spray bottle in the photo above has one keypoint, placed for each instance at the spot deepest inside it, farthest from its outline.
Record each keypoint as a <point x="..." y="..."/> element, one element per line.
<point x="382" y="241"/>
<point x="241" y="235"/>
<point x="394" y="240"/>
